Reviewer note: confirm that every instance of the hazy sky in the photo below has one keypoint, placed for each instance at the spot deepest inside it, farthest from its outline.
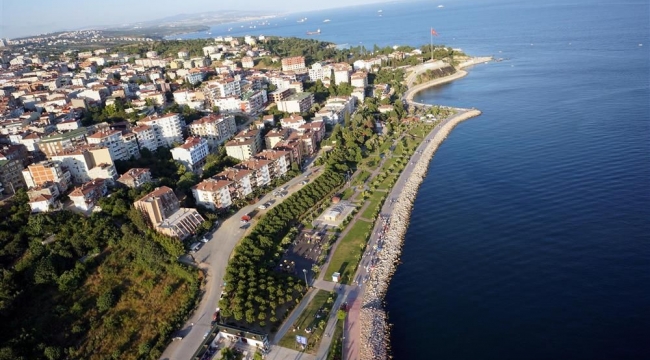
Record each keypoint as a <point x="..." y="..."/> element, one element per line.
<point x="31" y="17"/>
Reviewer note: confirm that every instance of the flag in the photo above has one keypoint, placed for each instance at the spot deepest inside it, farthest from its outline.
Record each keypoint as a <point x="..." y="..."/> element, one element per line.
<point x="433" y="32"/>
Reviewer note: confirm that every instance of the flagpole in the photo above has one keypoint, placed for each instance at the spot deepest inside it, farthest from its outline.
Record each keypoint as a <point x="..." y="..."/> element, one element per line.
<point x="431" y="44"/>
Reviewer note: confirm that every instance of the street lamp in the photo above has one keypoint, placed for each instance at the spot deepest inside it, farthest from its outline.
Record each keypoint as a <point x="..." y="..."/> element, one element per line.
<point x="304" y="271"/>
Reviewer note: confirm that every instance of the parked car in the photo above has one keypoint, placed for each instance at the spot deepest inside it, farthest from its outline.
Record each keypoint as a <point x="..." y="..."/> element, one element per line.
<point x="262" y="207"/>
<point x="205" y="239"/>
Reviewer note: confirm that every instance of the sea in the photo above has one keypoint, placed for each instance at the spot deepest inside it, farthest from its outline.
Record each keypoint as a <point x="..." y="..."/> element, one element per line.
<point x="530" y="236"/>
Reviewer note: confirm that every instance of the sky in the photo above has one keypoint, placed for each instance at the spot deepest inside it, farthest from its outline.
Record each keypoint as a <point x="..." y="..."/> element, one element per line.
<point x="31" y="17"/>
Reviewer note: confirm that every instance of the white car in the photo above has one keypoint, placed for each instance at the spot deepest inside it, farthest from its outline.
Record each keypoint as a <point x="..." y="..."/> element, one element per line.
<point x="262" y="207"/>
<point x="205" y="239"/>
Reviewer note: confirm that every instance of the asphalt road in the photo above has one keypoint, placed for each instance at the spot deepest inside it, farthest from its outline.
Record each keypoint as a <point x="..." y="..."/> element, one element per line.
<point x="213" y="257"/>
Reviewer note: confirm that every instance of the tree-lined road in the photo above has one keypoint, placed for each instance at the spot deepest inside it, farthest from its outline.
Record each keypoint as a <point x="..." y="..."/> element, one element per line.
<point x="213" y="257"/>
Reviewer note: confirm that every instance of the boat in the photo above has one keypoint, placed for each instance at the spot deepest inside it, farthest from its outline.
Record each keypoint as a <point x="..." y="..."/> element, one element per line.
<point x="441" y="6"/>
<point x="326" y="20"/>
<point x="302" y="20"/>
<point x="379" y="11"/>
<point x="317" y="32"/>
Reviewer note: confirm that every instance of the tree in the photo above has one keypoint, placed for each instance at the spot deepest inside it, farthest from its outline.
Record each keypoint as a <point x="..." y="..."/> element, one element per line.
<point x="341" y="315"/>
<point x="105" y="301"/>
<point x="52" y="353"/>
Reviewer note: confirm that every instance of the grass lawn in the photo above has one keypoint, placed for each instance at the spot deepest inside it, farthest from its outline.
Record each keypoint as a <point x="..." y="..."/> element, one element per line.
<point x="361" y="178"/>
<point x="318" y="306"/>
<point x="347" y="193"/>
<point x="336" y="348"/>
<point x="374" y="200"/>
<point x="348" y="252"/>
<point x="384" y="184"/>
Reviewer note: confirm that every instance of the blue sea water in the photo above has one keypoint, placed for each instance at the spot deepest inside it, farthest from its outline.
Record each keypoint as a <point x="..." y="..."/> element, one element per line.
<point x="530" y="236"/>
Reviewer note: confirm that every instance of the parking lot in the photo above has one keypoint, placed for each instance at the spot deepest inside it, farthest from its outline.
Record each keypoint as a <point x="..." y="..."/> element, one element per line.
<point x="303" y="252"/>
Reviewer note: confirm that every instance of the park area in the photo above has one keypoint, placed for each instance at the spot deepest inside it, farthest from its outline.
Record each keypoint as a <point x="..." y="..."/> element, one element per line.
<point x="311" y="323"/>
<point x="349" y="251"/>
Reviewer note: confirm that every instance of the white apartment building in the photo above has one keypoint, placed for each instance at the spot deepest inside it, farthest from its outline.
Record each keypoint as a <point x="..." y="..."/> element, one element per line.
<point x="146" y="137"/>
<point x="292" y="122"/>
<point x="192" y="153"/>
<point x="359" y="79"/>
<point x="213" y="194"/>
<point x="168" y="129"/>
<point x="320" y="71"/>
<point x="228" y="104"/>
<point x="297" y="103"/>
<point x="280" y="161"/>
<point x="253" y="102"/>
<point x="342" y="73"/>
<point x="88" y="164"/>
<point x="261" y="171"/>
<point x="121" y="148"/>
<point x="222" y="88"/>
<point x="241" y="181"/>
<point x="215" y="129"/>
<point x="247" y="62"/>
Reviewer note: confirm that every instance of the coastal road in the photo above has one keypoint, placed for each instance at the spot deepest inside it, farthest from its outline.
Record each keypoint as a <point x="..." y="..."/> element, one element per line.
<point x="213" y="257"/>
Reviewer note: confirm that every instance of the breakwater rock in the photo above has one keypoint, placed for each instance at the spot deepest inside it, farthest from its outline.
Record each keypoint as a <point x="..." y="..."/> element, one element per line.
<point x="375" y="329"/>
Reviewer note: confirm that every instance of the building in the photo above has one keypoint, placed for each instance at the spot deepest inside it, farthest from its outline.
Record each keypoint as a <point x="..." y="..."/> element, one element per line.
<point x="215" y="129"/>
<point x="86" y="164"/>
<point x="222" y="89"/>
<point x="280" y="94"/>
<point x="135" y="177"/>
<point x="59" y="142"/>
<point x="120" y="147"/>
<point x="261" y="172"/>
<point x="280" y="161"/>
<point x="213" y="194"/>
<point x="292" y="122"/>
<point x="275" y="136"/>
<point x="317" y="127"/>
<point x="68" y="125"/>
<point x="245" y="144"/>
<point x="168" y="129"/>
<point x="47" y="172"/>
<point x="192" y="153"/>
<point x="359" y="79"/>
<point x="41" y="203"/>
<point x="253" y="102"/>
<point x="241" y="184"/>
<point x="320" y="71"/>
<point x="146" y="137"/>
<point x="293" y="63"/>
<point x="297" y="103"/>
<point x="247" y="62"/>
<point x="342" y="73"/>
<point x="162" y="209"/>
<point x="87" y="195"/>
<point x="11" y="176"/>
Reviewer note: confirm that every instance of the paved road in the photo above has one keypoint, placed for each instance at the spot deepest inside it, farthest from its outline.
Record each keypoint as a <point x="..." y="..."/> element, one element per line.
<point x="213" y="257"/>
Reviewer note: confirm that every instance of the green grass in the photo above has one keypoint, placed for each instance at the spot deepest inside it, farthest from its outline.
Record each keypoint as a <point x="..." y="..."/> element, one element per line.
<point x="336" y="349"/>
<point x="361" y="178"/>
<point x="374" y="200"/>
<point x="384" y="184"/>
<point x="348" y="252"/>
<point x="307" y="319"/>
<point x="347" y="193"/>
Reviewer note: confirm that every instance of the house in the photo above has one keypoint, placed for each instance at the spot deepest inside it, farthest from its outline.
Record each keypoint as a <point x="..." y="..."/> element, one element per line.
<point x="135" y="177"/>
<point x="162" y="208"/>
<point x="88" y="194"/>
<point x="192" y="153"/>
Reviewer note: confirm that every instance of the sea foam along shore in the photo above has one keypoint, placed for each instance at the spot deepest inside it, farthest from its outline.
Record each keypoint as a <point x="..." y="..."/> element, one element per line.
<point x="374" y="325"/>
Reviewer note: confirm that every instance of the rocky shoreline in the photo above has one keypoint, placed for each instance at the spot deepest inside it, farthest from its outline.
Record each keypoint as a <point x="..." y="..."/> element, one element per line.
<point x="375" y="329"/>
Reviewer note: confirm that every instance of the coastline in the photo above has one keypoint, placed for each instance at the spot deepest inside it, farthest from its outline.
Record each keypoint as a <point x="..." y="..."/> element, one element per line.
<point x="375" y="329"/>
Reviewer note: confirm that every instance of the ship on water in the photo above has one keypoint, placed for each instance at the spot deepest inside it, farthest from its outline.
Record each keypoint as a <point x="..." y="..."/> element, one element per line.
<point x="317" y="32"/>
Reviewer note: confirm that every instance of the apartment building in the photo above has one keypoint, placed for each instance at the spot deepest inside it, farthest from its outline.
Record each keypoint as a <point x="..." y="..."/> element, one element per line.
<point x="192" y="153"/>
<point x="280" y="94"/>
<point x="359" y="79"/>
<point x="145" y="137"/>
<point x="47" y="172"/>
<point x="86" y="196"/>
<point x="342" y="73"/>
<point x="135" y="177"/>
<point x="275" y="136"/>
<point x="59" y="142"/>
<point x="320" y="71"/>
<point x="293" y="63"/>
<point x="222" y="88"/>
<point x="261" y="173"/>
<point x="168" y="129"/>
<point x="280" y="161"/>
<point x="297" y="103"/>
<point x="253" y="102"/>
<point x="241" y="184"/>
<point x="292" y="122"/>
<point x="86" y="164"/>
<point x="215" y="129"/>
<point x="120" y="147"/>
<point x="162" y="208"/>
<point x="245" y="144"/>
<point x="247" y="62"/>
<point x="11" y="176"/>
<point x="212" y="193"/>
<point x="317" y="127"/>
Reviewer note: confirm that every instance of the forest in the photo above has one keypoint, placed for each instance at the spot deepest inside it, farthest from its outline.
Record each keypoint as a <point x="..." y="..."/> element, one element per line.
<point x="93" y="287"/>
